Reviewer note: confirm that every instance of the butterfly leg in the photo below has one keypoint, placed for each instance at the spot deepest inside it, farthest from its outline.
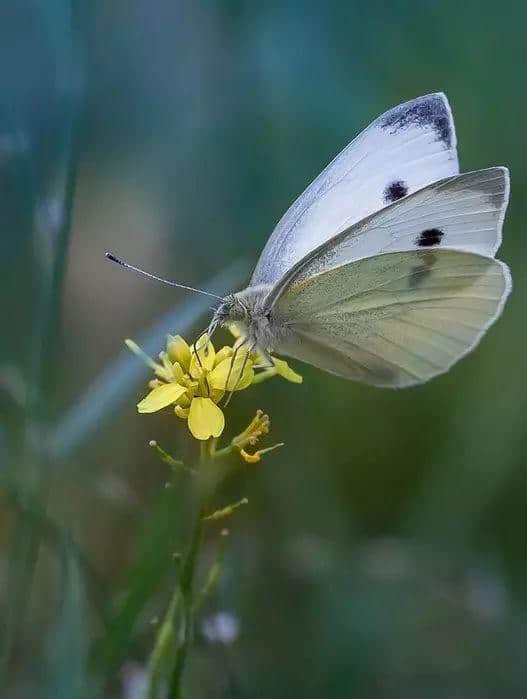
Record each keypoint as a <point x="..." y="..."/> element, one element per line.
<point x="240" y="375"/>
<point x="198" y="358"/>
<point x="233" y="359"/>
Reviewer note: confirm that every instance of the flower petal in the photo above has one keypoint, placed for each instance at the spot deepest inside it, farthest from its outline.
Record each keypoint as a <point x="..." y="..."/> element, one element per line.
<point x="203" y="355"/>
<point x="222" y="354"/>
<point x="285" y="371"/>
<point x="205" y="419"/>
<point x="178" y="351"/>
<point x="177" y="371"/>
<point x="160" y="397"/>
<point x="218" y="376"/>
<point x="167" y="372"/>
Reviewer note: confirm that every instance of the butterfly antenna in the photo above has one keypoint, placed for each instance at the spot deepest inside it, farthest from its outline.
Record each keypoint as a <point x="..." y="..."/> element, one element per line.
<point x="195" y="351"/>
<point x="118" y="261"/>
<point x="233" y="359"/>
<point x="250" y="349"/>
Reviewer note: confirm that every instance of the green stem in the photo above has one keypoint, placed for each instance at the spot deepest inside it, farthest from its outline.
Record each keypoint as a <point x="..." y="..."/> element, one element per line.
<point x="214" y="573"/>
<point x="187" y="598"/>
<point x="170" y="637"/>
<point x="221" y="453"/>
<point x="165" y="642"/>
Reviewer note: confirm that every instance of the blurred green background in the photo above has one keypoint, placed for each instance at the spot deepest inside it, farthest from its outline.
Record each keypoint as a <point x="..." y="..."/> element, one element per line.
<point x="383" y="552"/>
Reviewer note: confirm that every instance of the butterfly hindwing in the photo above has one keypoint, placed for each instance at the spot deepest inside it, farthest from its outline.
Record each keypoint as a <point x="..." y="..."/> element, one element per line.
<point x="393" y="320"/>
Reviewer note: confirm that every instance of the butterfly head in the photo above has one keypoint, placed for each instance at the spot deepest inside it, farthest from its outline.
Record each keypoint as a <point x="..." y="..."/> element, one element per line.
<point x="253" y="320"/>
<point x="233" y="309"/>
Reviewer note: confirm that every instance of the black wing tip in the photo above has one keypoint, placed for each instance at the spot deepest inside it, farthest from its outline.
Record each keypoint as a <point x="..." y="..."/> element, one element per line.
<point x="428" y="110"/>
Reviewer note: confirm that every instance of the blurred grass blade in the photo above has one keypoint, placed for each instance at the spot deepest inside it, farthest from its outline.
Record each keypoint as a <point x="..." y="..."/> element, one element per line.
<point x="45" y="194"/>
<point x="121" y="377"/>
<point x="65" y="666"/>
<point x="31" y="512"/>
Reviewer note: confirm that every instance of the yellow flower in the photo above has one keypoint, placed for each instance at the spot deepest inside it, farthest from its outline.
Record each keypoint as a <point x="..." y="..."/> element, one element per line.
<point x="194" y="380"/>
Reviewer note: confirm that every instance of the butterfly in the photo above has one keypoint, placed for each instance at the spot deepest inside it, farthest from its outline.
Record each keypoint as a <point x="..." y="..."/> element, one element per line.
<point x="383" y="270"/>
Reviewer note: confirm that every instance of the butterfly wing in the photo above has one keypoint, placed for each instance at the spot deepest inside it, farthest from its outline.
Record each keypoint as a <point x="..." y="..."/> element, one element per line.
<point x="396" y="319"/>
<point x="464" y="212"/>
<point x="402" y="151"/>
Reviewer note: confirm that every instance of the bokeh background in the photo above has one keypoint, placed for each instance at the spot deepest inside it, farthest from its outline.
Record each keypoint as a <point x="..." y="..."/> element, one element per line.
<point x="383" y="552"/>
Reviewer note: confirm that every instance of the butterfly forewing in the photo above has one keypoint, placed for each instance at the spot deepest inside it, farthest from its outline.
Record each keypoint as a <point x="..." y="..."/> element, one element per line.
<point x="393" y="320"/>
<point x="402" y="151"/>
<point x="464" y="212"/>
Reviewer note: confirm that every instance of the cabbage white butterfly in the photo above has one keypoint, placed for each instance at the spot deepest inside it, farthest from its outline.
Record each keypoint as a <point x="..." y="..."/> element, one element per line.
<point x="383" y="270"/>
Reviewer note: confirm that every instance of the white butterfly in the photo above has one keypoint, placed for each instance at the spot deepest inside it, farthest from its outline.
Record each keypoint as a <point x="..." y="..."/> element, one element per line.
<point x="383" y="270"/>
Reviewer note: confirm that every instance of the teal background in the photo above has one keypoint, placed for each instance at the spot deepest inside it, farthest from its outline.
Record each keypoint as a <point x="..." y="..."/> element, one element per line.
<point x="382" y="553"/>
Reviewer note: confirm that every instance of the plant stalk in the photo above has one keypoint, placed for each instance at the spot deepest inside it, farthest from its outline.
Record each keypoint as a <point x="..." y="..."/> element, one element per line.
<point x="173" y="638"/>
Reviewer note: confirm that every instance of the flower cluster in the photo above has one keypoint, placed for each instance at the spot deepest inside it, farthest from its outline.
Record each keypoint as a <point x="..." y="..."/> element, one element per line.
<point x="194" y="379"/>
<point x="258" y="426"/>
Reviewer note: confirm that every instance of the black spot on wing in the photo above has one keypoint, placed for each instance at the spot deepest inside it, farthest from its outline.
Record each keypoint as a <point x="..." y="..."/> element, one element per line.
<point x="429" y="238"/>
<point x="421" y="271"/>
<point x="395" y="190"/>
<point x="431" y="110"/>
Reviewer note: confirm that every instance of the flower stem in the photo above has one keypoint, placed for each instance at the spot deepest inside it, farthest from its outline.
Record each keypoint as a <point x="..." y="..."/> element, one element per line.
<point x="186" y="585"/>
<point x="171" y="637"/>
<point x="187" y="599"/>
<point x="165" y="641"/>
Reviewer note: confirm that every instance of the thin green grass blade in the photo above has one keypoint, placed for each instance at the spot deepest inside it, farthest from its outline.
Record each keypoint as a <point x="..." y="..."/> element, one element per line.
<point x="64" y="671"/>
